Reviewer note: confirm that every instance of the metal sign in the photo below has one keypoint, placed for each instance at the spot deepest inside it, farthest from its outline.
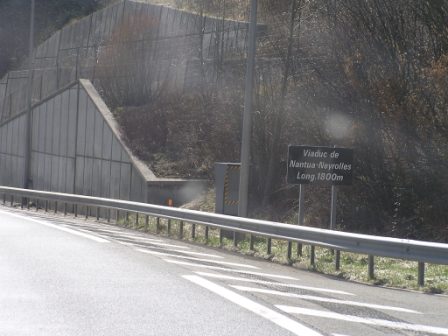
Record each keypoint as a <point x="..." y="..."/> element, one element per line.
<point x="313" y="164"/>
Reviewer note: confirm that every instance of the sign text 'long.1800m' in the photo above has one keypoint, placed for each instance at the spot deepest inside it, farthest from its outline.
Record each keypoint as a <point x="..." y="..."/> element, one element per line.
<point x="312" y="164"/>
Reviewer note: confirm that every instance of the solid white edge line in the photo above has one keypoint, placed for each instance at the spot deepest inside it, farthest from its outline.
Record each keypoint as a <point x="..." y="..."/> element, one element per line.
<point x="269" y="283"/>
<point x="196" y="259"/>
<point x="178" y="262"/>
<point x="58" y="227"/>
<point x="322" y="299"/>
<point x="282" y="321"/>
<point x="363" y="320"/>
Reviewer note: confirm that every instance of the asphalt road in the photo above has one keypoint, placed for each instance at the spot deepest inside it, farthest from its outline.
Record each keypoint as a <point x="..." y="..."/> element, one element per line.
<point x="66" y="276"/>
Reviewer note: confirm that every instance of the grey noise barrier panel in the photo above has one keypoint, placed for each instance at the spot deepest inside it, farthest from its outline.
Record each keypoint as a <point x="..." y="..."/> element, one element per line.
<point x="77" y="147"/>
<point x="436" y="253"/>
<point x="170" y="44"/>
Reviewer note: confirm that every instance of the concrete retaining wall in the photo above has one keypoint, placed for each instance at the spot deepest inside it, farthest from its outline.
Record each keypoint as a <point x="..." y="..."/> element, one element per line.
<point x="173" y="44"/>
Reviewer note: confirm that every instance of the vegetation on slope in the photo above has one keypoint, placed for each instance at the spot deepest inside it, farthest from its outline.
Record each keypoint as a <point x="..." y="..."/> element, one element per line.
<point x="364" y="75"/>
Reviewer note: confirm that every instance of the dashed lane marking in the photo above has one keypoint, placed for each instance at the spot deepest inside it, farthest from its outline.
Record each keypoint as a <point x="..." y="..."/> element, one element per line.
<point x="279" y="284"/>
<point x="166" y="245"/>
<point x="321" y="299"/>
<point x="141" y="238"/>
<point x="195" y="259"/>
<point x="371" y="321"/>
<point x="58" y="227"/>
<point x="282" y="321"/>
<point x="216" y="268"/>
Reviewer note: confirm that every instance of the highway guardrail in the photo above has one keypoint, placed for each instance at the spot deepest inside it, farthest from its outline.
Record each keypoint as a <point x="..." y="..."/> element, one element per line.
<point x="420" y="251"/>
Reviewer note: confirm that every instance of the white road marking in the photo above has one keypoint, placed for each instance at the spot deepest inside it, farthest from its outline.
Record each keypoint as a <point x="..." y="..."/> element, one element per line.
<point x="199" y="254"/>
<point x="167" y="245"/>
<point x="178" y="251"/>
<point x="58" y="227"/>
<point x="321" y="299"/>
<point x="370" y="321"/>
<point x="196" y="259"/>
<point x="269" y="283"/>
<point x="229" y="269"/>
<point x="141" y="238"/>
<point x="269" y="314"/>
<point x="338" y="335"/>
<point x="194" y="253"/>
<point x="110" y="231"/>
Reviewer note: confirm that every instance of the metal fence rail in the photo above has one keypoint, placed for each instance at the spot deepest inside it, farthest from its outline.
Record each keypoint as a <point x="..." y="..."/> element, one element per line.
<point x="420" y="251"/>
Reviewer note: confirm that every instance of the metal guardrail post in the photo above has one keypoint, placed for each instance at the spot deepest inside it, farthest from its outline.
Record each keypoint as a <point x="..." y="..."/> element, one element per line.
<point x="193" y="231"/>
<point x="46" y="205"/>
<point x="299" y="249"/>
<point x="337" y="260"/>
<point x="221" y="237"/>
<point x="421" y="274"/>
<point x="158" y="225"/>
<point x="169" y="227"/>
<point x="136" y="220"/>
<point x="206" y="233"/>
<point x="181" y="229"/>
<point x="235" y="239"/>
<point x="269" y="245"/>
<point x="147" y="223"/>
<point x="289" y="250"/>
<point x="251" y="243"/>
<point x="371" y="272"/>
<point x="97" y="214"/>
<point x="12" y="201"/>
<point x="56" y="207"/>
<point x="65" y="209"/>
<point x="312" y="256"/>
<point x="108" y="215"/>
<point x="75" y="210"/>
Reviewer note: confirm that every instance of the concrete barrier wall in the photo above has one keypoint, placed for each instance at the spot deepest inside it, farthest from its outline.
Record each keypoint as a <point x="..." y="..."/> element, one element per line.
<point x="77" y="147"/>
<point x="12" y="156"/>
